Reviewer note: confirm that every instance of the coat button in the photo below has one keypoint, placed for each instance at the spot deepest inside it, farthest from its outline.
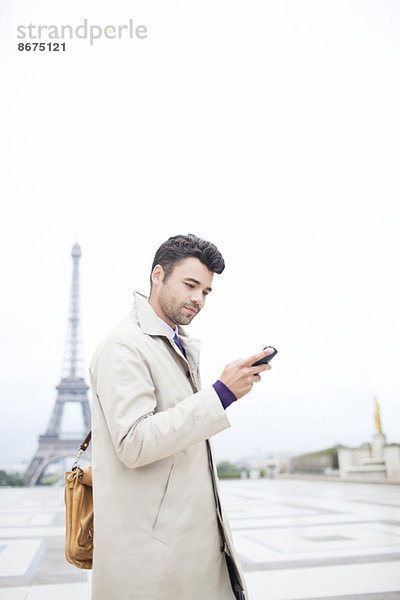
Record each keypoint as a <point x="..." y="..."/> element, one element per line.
<point x="187" y="373"/>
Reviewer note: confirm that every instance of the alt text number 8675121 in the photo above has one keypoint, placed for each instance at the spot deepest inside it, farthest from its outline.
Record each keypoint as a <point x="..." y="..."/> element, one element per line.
<point x="41" y="47"/>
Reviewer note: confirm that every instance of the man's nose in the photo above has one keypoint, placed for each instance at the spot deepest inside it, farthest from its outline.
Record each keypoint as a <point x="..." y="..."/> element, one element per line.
<point x="197" y="297"/>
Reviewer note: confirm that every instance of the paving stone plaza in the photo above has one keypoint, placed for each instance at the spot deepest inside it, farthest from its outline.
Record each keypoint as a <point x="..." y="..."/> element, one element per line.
<point x="298" y="540"/>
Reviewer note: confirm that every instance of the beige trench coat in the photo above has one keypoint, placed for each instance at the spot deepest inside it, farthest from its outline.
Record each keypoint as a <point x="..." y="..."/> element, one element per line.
<point x="156" y="530"/>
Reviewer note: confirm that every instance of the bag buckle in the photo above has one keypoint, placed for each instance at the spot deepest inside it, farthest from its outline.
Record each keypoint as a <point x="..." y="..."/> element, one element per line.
<point x="74" y="466"/>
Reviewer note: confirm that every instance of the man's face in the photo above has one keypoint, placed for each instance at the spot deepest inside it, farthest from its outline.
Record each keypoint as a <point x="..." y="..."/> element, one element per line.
<point x="184" y="292"/>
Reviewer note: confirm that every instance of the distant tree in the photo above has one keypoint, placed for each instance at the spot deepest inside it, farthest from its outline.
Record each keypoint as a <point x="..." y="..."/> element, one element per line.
<point x="49" y="478"/>
<point x="10" y="479"/>
<point x="316" y="462"/>
<point x="227" y="470"/>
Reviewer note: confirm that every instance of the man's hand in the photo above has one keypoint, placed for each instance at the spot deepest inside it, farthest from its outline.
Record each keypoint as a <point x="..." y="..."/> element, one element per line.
<point x="239" y="376"/>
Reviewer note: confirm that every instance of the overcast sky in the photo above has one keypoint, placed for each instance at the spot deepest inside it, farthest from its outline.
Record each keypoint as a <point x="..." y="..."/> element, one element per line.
<point x="270" y="128"/>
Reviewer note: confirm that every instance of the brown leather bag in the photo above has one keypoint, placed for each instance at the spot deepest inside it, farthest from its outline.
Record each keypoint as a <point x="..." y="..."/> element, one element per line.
<point x="79" y="513"/>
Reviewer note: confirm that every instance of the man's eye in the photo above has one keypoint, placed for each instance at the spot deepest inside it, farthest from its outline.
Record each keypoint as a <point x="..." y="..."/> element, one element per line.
<point x="189" y="285"/>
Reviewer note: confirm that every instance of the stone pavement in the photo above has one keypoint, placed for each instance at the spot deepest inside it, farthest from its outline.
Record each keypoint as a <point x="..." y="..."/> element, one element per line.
<point x="298" y="540"/>
<point x="32" y="562"/>
<point x="308" y="540"/>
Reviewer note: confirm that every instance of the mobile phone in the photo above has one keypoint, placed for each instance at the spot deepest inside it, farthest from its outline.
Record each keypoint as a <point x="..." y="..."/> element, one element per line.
<point x="266" y="359"/>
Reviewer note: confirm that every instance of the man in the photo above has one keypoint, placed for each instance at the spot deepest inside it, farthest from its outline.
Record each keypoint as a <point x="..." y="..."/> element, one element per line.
<point x="160" y="532"/>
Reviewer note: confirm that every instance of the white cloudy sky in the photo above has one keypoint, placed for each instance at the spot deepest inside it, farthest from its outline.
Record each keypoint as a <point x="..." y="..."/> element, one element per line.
<point x="271" y="128"/>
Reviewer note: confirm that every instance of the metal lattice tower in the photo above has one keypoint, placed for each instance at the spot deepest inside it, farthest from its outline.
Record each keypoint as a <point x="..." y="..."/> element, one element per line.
<point x="72" y="388"/>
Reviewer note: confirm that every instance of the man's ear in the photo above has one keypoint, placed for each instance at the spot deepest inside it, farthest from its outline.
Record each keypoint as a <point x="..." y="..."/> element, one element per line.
<point x="157" y="275"/>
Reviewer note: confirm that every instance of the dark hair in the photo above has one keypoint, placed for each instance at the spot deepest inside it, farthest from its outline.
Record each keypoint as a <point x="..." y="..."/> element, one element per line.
<point x="179" y="247"/>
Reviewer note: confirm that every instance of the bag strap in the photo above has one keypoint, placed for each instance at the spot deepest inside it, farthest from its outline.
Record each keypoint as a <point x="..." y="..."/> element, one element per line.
<point x="82" y="448"/>
<point x="86" y="443"/>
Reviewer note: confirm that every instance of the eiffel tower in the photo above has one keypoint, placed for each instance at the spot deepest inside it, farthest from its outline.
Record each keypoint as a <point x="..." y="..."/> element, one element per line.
<point x="72" y="388"/>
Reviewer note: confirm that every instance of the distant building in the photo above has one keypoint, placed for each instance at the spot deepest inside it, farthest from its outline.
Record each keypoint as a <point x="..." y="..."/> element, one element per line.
<point x="371" y="462"/>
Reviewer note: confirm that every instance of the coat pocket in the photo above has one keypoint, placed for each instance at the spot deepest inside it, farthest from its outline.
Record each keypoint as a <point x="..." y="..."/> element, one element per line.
<point x="170" y="507"/>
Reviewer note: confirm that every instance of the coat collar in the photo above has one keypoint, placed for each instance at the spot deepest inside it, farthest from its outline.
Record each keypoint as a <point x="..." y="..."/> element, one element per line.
<point x="150" y="324"/>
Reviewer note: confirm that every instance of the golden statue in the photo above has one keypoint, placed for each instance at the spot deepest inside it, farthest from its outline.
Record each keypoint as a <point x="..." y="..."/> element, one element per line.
<point x="378" y="423"/>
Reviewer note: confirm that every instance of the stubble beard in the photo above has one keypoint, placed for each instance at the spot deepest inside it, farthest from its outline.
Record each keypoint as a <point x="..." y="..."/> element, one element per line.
<point x="173" y="310"/>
